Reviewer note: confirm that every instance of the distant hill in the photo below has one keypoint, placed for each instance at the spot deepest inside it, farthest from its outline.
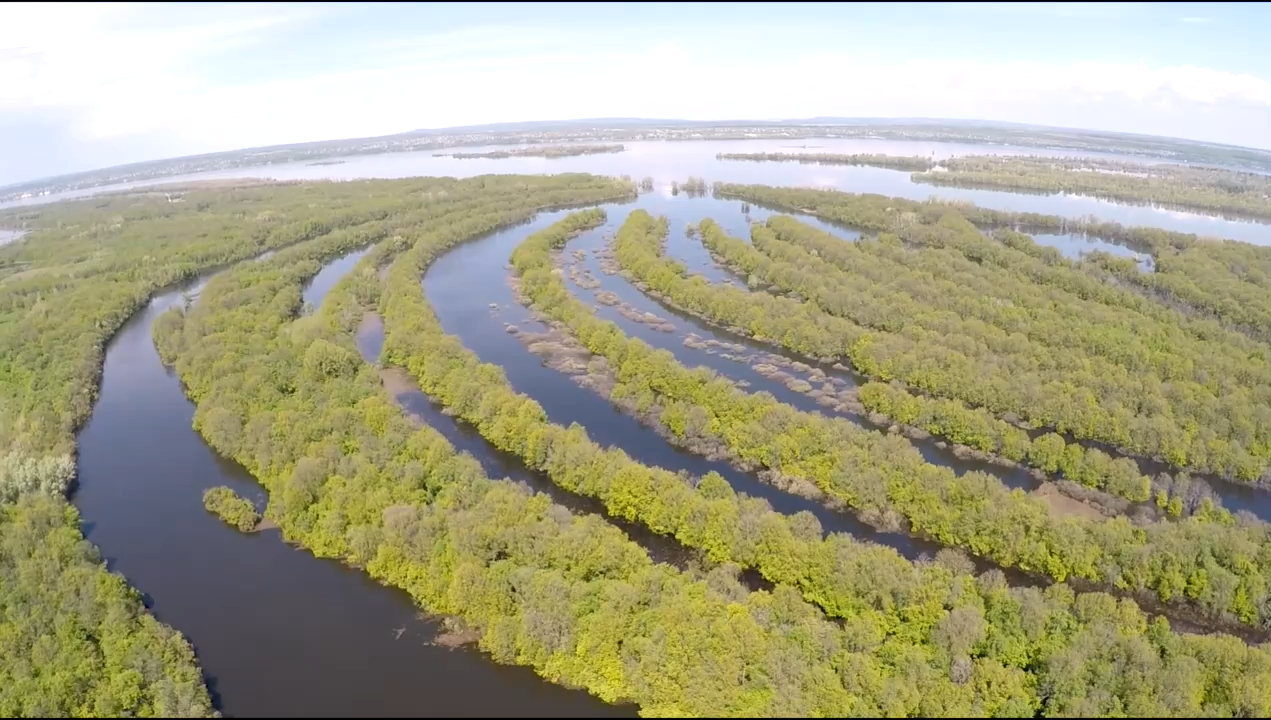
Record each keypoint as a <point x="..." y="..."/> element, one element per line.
<point x="545" y="125"/>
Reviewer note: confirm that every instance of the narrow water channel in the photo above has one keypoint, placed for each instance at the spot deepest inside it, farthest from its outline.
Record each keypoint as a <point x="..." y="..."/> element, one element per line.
<point x="277" y="631"/>
<point x="319" y="285"/>
<point x="679" y="212"/>
<point x="1234" y="496"/>
<point x="497" y="463"/>
<point x="743" y="372"/>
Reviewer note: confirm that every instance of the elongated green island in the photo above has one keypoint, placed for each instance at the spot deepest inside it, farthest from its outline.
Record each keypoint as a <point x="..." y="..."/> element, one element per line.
<point x="543" y="151"/>
<point x="234" y="509"/>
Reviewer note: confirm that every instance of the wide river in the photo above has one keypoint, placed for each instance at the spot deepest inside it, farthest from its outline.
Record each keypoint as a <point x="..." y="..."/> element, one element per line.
<point x="279" y="632"/>
<point x="667" y="161"/>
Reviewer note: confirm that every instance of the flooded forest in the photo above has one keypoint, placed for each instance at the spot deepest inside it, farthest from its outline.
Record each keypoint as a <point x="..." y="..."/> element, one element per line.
<point x="697" y="428"/>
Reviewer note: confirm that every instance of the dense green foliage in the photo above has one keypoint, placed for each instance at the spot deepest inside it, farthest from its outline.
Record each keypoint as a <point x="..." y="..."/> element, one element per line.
<point x="1224" y="280"/>
<point x="20" y="474"/>
<point x="796" y="258"/>
<point x="350" y="477"/>
<point x="543" y="151"/>
<point x="1201" y="188"/>
<point x="894" y="162"/>
<point x="905" y="610"/>
<point x="1005" y="324"/>
<point x="64" y="290"/>
<point x="91" y="264"/>
<point x="1227" y="280"/>
<point x="230" y="507"/>
<point x="978" y="429"/>
<point x="1206" y="560"/>
<point x="75" y="641"/>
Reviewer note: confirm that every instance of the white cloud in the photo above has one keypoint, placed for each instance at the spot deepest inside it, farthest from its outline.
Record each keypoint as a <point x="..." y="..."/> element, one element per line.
<point x="126" y="75"/>
<point x="86" y="55"/>
<point x="664" y="81"/>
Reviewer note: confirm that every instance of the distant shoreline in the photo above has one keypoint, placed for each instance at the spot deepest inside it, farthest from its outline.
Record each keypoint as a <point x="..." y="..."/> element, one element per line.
<point x="949" y="131"/>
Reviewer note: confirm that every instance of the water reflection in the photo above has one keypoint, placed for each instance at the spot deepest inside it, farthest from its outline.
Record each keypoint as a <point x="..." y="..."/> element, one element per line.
<point x="497" y="463"/>
<point x="1075" y="245"/>
<point x="319" y="285"/>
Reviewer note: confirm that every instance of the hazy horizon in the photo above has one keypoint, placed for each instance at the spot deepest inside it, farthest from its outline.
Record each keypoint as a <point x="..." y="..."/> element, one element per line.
<point x="96" y="86"/>
<point x="551" y="124"/>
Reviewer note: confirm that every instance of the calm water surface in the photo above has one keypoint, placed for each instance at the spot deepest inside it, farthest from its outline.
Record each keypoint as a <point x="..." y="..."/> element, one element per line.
<point x="1074" y="245"/>
<point x="328" y="276"/>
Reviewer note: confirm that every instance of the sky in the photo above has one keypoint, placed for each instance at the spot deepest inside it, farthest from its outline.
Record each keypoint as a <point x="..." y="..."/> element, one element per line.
<point x="94" y="85"/>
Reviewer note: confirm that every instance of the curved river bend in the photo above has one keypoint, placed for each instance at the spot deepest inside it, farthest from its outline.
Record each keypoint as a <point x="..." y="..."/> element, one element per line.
<point x="277" y="631"/>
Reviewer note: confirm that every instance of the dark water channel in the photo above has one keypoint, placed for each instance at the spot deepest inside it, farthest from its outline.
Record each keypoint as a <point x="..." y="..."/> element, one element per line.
<point x="497" y="463"/>
<point x="319" y="285"/>
<point x="277" y="631"/>
<point x="729" y="215"/>
<point x="478" y="324"/>
<point x="463" y="307"/>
